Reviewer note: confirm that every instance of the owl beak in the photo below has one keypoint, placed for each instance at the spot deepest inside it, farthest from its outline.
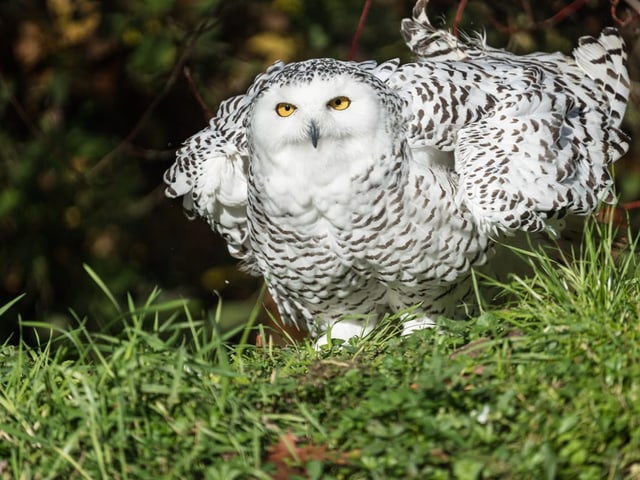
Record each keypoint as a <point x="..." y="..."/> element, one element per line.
<point x="314" y="133"/>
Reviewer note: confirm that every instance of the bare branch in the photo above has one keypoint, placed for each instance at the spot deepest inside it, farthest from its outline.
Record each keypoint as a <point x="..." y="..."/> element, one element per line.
<point x="194" y="91"/>
<point x="456" y="21"/>
<point x="356" y="36"/>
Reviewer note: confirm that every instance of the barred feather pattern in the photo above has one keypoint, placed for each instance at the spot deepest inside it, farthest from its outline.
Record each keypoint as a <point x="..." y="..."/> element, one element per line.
<point x="511" y="120"/>
<point x="391" y="196"/>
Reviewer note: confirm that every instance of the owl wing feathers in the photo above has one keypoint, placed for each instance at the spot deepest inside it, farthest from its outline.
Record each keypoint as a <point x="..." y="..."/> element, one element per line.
<point x="210" y="171"/>
<point x="532" y="135"/>
<point x="604" y="60"/>
<point x="517" y="167"/>
<point x="427" y="42"/>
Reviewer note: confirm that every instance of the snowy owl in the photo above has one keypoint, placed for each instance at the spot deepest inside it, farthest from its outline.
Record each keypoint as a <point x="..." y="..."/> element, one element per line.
<point x="358" y="189"/>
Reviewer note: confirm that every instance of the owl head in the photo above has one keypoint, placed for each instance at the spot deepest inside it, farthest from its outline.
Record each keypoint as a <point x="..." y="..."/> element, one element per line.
<point x="323" y="108"/>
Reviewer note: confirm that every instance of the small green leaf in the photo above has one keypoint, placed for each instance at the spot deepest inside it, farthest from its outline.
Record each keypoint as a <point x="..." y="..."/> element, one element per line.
<point x="467" y="469"/>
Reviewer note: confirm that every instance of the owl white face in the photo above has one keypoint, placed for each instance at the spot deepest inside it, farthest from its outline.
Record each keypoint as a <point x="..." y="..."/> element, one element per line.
<point x="323" y="118"/>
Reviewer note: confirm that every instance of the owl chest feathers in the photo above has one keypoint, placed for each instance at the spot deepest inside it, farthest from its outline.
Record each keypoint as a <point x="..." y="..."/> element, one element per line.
<point x="319" y="190"/>
<point x="372" y="217"/>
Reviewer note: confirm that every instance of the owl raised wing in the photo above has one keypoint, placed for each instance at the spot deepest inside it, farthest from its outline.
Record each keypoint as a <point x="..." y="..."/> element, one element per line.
<point x="531" y="136"/>
<point x="210" y="171"/>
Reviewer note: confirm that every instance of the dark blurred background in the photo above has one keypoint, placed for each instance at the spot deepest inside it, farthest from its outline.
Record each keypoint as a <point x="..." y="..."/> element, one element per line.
<point x="94" y="101"/>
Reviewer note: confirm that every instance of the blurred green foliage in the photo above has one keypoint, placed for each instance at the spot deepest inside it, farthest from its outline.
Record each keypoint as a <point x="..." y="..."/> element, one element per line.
<point x="93" y="103"/>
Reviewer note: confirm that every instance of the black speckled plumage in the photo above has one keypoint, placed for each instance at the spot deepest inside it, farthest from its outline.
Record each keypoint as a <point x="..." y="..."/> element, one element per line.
<point x="408" y="183"/>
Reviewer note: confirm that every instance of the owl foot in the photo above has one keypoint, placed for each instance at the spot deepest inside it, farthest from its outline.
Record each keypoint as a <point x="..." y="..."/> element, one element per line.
<point x="416" y="324"/>
<point x="344" y="330"/>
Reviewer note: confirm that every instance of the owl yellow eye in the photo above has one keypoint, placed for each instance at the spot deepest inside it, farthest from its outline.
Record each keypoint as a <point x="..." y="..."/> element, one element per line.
<point x="339" y="103"/>
<point x="285" y="109"/>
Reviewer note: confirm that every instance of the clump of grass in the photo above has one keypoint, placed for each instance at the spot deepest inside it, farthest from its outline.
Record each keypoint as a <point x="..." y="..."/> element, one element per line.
<point x="547" y="388"/>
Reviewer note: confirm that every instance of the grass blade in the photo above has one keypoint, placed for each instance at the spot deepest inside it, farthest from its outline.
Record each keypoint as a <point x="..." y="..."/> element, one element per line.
<point x="98" y="281"/>
<point x="10" y="304"/>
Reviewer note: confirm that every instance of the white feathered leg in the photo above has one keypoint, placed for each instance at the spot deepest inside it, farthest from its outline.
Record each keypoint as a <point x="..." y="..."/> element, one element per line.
<point x="344" y="330"/>
<point x="415" y="324"/>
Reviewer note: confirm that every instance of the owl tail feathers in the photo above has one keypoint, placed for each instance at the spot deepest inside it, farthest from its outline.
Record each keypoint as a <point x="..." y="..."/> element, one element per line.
<point x="428" y="42"/>
<point x="419" y="13"/>
<point x="604" y="59"/>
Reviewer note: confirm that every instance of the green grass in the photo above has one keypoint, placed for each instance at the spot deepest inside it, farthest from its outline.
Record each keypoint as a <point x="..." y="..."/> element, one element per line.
<point x="547" y="388"/>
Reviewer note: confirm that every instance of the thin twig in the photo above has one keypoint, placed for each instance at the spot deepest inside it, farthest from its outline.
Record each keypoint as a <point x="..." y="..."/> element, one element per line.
<point x="194" y="91"/>
<point x="631" y="205"/>
<point x="147" y="155"/>
<point x="458" y="18"/>
<point x="566" y="11"/>
<point x="562" y="14"/>
<point x="356" y="36"/>
<point x="33" y="128"/>
<point x="500" y="27"/>
<point x="634" y="4"/>
<point x="526" y="6"/>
